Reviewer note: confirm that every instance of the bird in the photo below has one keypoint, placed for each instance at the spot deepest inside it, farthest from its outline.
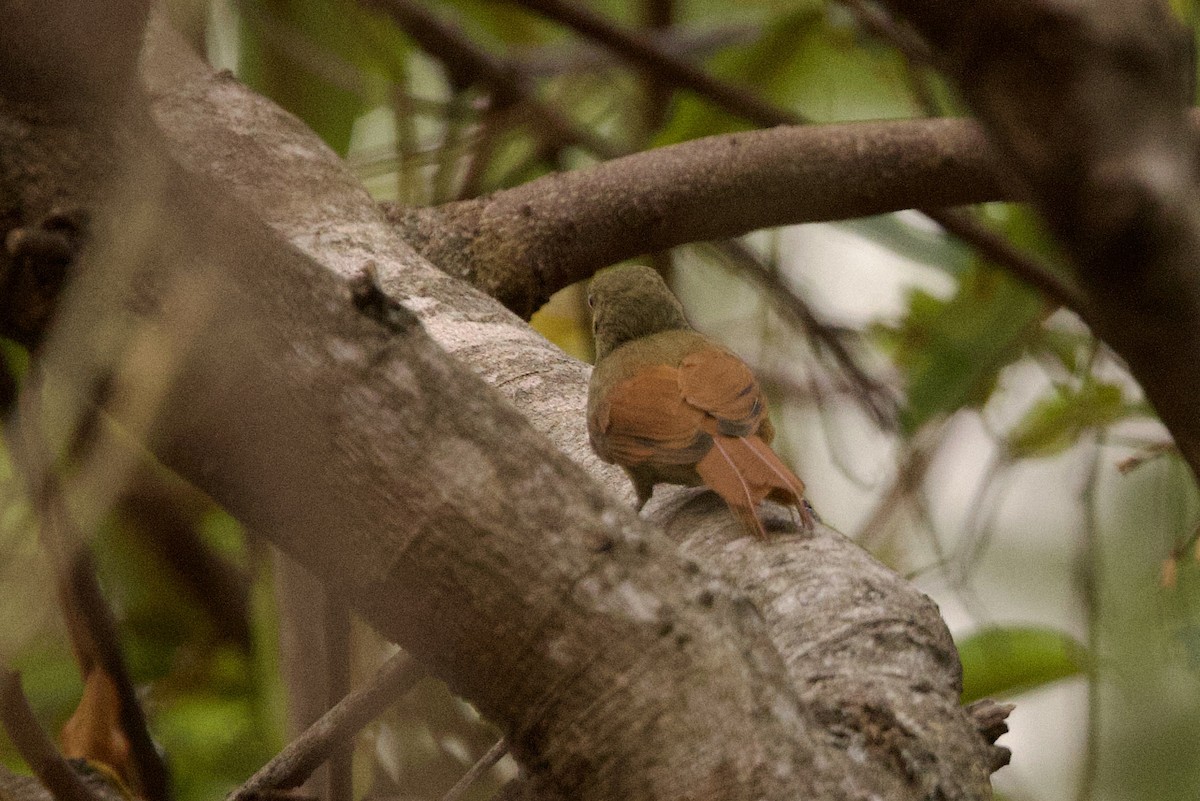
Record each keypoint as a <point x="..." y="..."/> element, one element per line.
<point x="671" y="406"/>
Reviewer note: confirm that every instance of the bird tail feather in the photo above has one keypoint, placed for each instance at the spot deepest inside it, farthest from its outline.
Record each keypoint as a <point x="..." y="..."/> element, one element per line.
<point x="744" y="471"/>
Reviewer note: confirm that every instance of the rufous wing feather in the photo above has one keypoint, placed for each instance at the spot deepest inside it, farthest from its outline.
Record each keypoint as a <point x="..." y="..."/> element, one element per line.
<point x="644" y="419"/>
<point x="718" y="382"/>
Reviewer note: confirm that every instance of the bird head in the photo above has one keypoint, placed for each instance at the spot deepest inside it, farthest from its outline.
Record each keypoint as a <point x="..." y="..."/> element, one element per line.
<point x="629" y="302"/>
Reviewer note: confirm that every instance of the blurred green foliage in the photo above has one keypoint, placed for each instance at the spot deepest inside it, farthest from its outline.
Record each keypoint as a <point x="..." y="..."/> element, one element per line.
<point x="952" y="350"/>
<point x="1003" y="660"/>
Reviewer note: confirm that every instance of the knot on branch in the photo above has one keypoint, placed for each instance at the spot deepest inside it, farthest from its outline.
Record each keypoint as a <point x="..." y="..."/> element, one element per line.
<point x="370" y="299"/>
<point x="990" y="719"/>
<point x="33" y="269"/>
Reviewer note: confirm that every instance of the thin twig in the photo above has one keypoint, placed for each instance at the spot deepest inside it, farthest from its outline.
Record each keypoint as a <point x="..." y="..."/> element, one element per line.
<point x="1147" y="453"/>
<point x="91" y="625"/>
<point x="654" y="60"/>
<point x="550" y="61"/>
<point x="878" y="400"/>
<point x="485" y="763"/>
<point x="914" y="466"/>
<point x="916" y="52"/>
<point x="467" y="63"/>
<point x="296" y="762"/>
<point x="883" y="25"/>
<point x="1089" y="565"/>
<point x="34" y="746"/>
<point x="337" y="686"/>
<point x="1001" y="251"/>
<point x="657" y="15"/>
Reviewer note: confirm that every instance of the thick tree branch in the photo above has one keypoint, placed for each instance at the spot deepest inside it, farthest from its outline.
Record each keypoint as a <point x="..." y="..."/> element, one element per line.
<point x="1088" y="102"/>
<point x="347" y="438"/>
<point x="523" y="244"/>
<point x="307" y="194"/>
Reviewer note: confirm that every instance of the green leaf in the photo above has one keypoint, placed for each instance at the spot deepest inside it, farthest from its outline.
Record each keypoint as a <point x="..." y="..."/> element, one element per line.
<point x="952" y="350"/>
<point x="1055" y="423"/>
<point x="1006" y="660"/>
<point x="223" y="737"/>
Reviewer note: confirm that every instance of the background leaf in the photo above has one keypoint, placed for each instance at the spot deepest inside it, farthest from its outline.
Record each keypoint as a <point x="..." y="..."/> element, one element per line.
<point x="1006" y="660"/>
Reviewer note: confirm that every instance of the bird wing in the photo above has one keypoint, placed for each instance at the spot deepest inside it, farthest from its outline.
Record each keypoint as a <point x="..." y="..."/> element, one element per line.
<point x="645" y="419"/>
<point x="718" y="383"/>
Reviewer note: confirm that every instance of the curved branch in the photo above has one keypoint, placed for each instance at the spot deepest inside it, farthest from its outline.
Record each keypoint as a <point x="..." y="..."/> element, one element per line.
<point x="35" y="746"/>
<point x="523" y="244"/>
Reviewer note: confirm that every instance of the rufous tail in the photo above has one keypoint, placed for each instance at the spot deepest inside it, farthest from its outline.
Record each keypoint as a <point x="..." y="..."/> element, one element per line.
<point x="744" y="471"/>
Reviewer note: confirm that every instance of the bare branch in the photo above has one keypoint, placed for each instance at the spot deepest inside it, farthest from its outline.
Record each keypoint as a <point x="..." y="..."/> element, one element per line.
<point x="1000" y="251"/>
<point x="91" y="624"/>
<point x="34" y="746"/>
<point x="523" y="244"/>
<point x="883" y="25"/>
<point x="87" y="599"/>
<point x="336" y="624"/>
<point x="467" y="64"/>
<point x="656" y="63"/>
<point x="678" y="41"/>
<point x="337" y="727"/>
<point x="482" y="766"/>
<point x="878" y="400"/>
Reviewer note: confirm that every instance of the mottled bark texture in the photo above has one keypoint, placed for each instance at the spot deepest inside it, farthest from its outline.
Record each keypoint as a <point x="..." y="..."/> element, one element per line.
<point x="350" y="440"/>
<point x="1088" y="101"/>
